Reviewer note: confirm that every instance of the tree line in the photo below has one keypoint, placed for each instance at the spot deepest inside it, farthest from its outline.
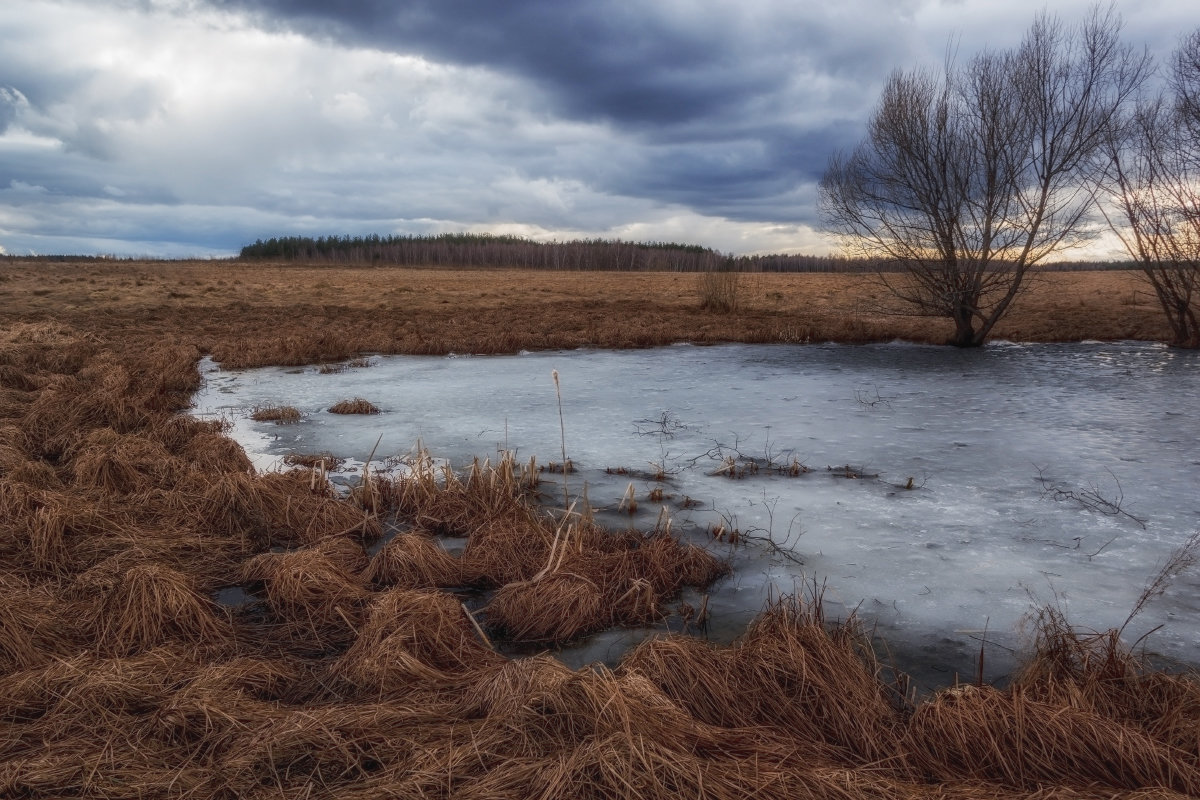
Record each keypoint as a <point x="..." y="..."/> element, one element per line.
<point x="473" y="250"/>
<point x="470" y="250"/>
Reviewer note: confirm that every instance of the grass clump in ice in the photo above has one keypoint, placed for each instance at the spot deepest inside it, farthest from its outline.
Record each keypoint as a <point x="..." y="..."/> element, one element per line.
<point x="358" y="405"/>
<point x="280" y="415"/>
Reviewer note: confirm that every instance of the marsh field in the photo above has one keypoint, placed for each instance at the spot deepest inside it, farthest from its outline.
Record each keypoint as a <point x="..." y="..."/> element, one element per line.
<point x="356" y="664"/>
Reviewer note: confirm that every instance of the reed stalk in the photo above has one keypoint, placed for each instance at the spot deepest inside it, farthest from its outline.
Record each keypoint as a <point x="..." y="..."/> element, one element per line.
<point x="562" y="430"/>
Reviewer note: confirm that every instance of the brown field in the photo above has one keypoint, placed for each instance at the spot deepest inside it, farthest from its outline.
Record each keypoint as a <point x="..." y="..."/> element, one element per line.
<point x="254" y="314"/>
<point x="351" y="675"/>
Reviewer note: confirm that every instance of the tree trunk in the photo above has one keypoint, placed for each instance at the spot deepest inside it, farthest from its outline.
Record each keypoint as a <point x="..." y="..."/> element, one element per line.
<point x="965" y="334"/>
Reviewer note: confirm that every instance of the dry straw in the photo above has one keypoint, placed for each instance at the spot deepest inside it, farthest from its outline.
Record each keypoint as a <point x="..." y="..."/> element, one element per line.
<point x="414" y="560"/>
<point x="357" y="405"/>
<point x="280" y="415"/>
<point x="315" y="600"/>
<point x="150" y="605"/>
<point x="409" y="636"/>
<point x="120" y="677"/>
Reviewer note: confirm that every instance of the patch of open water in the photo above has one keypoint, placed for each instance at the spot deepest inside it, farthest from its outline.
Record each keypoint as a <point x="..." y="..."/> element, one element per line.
<point x="980" y="436"/>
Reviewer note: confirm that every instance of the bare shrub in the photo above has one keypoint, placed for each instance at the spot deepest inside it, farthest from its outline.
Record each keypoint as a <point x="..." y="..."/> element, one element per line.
<point x="719" y="291"/>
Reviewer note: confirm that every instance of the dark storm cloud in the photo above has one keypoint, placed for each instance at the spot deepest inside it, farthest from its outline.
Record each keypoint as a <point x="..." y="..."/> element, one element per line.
<point x="631" y="63"/>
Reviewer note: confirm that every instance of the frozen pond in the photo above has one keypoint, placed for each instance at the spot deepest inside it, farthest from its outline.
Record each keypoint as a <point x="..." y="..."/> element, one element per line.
<point x="975" y="543"/>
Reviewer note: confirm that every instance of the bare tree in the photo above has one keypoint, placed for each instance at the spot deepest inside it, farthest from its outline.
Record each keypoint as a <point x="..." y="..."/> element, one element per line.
<point x="969" y="177"/>
<point x="1153" y="187"/>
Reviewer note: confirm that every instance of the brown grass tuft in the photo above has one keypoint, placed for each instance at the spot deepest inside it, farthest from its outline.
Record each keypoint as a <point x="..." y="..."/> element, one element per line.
<point x="789" y="673"/>
<point x="121" y="463"/>
<point x="413" y="636"/>
<point x="31" y="632"/>
<point x="819" y="682"/>
<point x="303" y="508"/>
<point x="280" y="415"/>
<point x="553" y="609"/>
<point x="216" y="453"/>
<point x="231" y="504"/>
<point x="694" y="673"/>
<point x="151" y="605"/>
<point x="414" y="560"/>
<point x="289" y="752"/>
<point x="358" y="405"/>
<point x="34" y="473"/>
<point x="310" y="588"/>
<point x="980" y="733"/>
<point x="48" y="539"/>
<point x="1097" y="673"/>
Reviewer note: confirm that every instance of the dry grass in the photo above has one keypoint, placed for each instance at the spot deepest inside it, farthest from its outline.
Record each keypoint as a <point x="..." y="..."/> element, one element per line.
<point x="278" y="315"/>
<point x="309" y="586"/>
<point x="280" y="415"/>
<point x="357" y="405"/>
<point x="354" y="677"/>
<point x="150" y="605"/>
<point x="1010" y="739"/>
<point x="719" y="291"/>
<point x="412" y="637"/>
<point x="414" y="561"/>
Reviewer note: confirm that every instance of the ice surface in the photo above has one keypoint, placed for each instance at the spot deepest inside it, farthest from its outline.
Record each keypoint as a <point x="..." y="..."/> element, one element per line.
<point x="976" y="544"/>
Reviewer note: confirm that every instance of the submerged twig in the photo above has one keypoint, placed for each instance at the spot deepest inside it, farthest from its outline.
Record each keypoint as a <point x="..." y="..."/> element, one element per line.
<point x="1090" y="498"/>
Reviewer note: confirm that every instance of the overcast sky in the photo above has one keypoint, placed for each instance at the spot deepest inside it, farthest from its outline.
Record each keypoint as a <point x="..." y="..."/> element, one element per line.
<point x="192" y="127"/>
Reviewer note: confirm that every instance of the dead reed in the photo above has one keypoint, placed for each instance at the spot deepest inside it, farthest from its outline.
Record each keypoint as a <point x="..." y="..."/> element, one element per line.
<point x="1010" y="739"/>
<point x="357" y="405"/>
<point x="414" y="560"/>
<point x="120" y="678"/>
<point x="280" y="415"/>
<point x="420" y="637"/>
<point x="311" y="591"/>
<point x="151" y="605"/>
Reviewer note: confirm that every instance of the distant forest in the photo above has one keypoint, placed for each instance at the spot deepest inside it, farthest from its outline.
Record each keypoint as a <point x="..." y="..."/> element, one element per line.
<point x="483" y="250"/>
<point x="488" y="251"/>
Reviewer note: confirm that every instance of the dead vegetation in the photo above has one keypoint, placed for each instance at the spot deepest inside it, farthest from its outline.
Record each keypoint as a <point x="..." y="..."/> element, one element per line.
<point x="280" y="415"/>
<point x="357" y="405"/>
<point x="360" y="676"/>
